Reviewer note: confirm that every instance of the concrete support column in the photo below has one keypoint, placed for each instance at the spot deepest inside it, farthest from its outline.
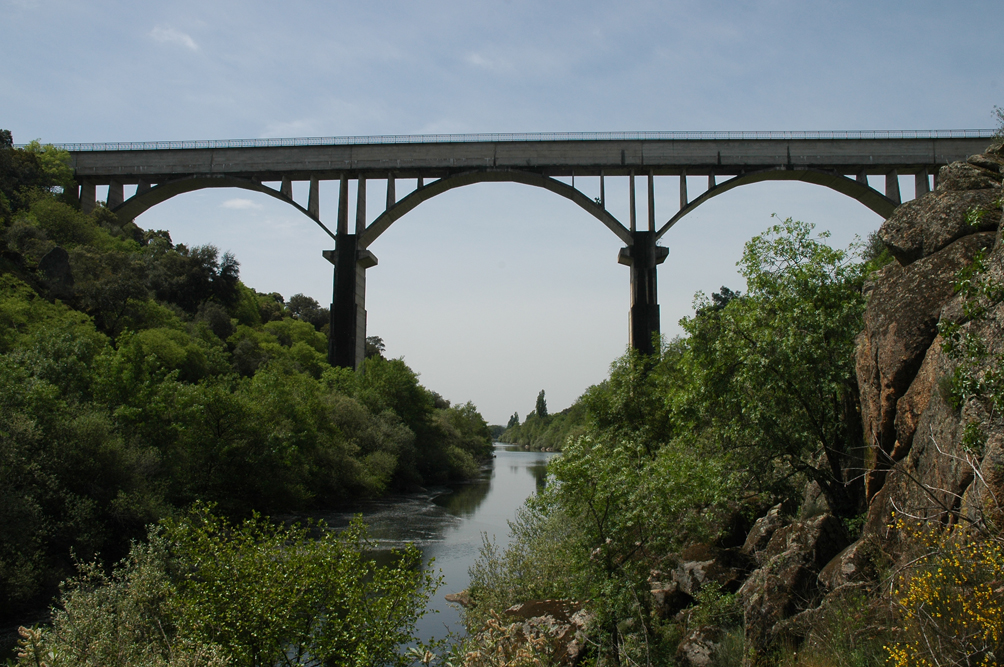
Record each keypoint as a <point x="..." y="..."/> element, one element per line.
<point x="142" y="187"/>
<point x="643" y="256"/>
<point x="892" y="186"/>
<point x="286" y="189"/>
<point x="683" y="190"/>
<point x="347" y="324"/>
<point x="344" y="316"/>
<point x="920" y="184"/>
<point x="341" y="329"/>
<point x="314" y="198"/>
<point x="711" y="181"/>
<point x="88" y="197"/>
<point x="360" y="204"/>
<point x="391" y="195"/>
<point x="632" y="213"/>
<point x="115" y="196"/>
<point x="651" y="201"/>
<point x="603" y="193"/>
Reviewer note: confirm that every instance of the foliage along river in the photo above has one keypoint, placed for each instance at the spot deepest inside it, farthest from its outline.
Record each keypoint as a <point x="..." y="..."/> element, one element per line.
<point x="447" y="523"/>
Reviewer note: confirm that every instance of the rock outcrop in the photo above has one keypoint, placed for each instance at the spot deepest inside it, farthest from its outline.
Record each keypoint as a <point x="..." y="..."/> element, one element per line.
<point x="787" y="581"/>
<point x="560" y="623"/>
<point x="918" y="464"/>
<point x="920" y="461"/>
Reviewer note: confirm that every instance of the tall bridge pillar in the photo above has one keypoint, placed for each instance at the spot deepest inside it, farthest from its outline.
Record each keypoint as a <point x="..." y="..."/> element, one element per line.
<point x="643" y="256"/>
<point x="347" y="324"/>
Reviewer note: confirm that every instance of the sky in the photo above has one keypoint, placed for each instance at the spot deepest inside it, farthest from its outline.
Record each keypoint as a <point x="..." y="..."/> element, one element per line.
<point x="493" y="292"/>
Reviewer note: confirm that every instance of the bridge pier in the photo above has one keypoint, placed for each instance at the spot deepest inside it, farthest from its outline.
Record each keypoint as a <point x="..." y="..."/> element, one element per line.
<point x="643" y="256"/>
<point x="347" y="323"/>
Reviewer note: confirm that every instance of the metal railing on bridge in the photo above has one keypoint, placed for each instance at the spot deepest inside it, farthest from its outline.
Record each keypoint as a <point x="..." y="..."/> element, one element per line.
<point x="526" y="137"/>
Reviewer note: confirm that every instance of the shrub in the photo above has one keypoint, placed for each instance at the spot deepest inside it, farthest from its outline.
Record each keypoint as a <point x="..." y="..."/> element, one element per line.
<point x="949" y="603"/>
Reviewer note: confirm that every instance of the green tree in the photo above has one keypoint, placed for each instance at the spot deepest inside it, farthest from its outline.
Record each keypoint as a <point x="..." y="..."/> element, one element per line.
<point x="374" y="346"/>
<point x="203" y="591"/>
<point x="775" y="367"/>
<point x="541" y="407"/>
<point x="279" y="595"/>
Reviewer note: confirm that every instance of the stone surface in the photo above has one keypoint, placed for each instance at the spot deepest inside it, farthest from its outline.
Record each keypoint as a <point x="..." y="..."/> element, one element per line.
<point x="901" y="321"/>
<point x="562" y="623"/>
<point x="989" y="161"/>
<point x="983" y="501"/>
<point x="925" y="225"/>
<point x="702" y="563"/>
<point x="463" y="598"/>
<point x="856" y="564"/>
<point x="763" y="530"/>
<point x="788" y="582"/>
<point x="965" y="176"/>
<point x="668" y="599"/>
<point x="913" y="403"/>
<point x="698" y="648"/>
<point x="929" y="482"/>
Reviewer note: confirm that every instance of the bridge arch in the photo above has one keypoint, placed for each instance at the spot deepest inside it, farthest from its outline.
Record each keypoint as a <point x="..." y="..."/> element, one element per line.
<point x="445" y="184"/>
<point x="144" y="201"/>
<point x="351" y="256"/>
<point x="857" y="190"/>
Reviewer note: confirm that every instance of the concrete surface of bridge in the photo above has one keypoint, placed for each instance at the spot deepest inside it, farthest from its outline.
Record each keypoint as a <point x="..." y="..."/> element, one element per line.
<point x="842" y="161"/>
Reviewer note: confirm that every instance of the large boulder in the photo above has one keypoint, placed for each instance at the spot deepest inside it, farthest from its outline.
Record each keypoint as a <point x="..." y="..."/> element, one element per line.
<point x="930" y="222"/>
<point x="859" y="563"/>
<point x="930" y="481"/>
<point x="901" y="322"/>
<point x="561" y="623"/>
<point x="763" y="529"/>
<point x="788" y="582"/>
<point x="703" y="563"/>
<point x="967" y="176"/>
<point x="699" y="647"/>
<point x="926" y="463"/>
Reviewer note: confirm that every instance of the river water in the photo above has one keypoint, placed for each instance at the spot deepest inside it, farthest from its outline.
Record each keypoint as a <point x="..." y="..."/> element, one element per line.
<point x="447" y="524"/>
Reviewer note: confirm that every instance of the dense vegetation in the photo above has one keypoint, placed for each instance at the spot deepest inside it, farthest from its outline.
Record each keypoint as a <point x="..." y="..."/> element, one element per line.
<point x="758" y="400"/>
<point x="543" y="431"/>
<point x="138" y="376"/>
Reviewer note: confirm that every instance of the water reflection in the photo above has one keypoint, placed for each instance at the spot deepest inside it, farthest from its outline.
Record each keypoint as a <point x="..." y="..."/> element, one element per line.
<point x="539" y="472"/>
<point x="463" y="500"/>
<point x="447" y="524"/>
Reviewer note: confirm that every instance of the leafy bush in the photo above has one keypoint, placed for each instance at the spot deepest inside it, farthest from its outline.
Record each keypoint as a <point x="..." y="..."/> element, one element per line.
<point x="203" y="591"/>
<point x="949" y="603"/>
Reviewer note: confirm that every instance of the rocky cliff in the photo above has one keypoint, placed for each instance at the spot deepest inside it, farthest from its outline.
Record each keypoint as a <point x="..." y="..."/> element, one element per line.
<point x="920" y="462"/>
<point x="935" y="446"/>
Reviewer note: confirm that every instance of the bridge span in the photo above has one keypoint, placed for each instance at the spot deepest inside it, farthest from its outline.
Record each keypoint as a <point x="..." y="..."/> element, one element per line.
<point x="429" y="165"/>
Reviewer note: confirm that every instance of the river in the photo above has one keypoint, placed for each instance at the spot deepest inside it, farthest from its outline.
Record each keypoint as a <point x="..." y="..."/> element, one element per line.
<point x="447" y="523"/>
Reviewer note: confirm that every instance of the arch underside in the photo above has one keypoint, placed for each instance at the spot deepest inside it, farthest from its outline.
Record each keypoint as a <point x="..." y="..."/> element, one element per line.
<point x="871" y="198"/>
<point x="408" y="203"/>
<point x="138" y="204"/>
<point x="850" y="187"/>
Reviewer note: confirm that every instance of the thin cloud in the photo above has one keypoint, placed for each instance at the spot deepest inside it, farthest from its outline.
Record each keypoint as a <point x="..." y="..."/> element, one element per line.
<point x="172" y="36"/>
<point x="241" y="204"/>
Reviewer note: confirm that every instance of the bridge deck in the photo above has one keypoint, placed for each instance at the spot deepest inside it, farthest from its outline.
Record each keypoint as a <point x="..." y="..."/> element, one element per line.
<point x="869" y="153"/>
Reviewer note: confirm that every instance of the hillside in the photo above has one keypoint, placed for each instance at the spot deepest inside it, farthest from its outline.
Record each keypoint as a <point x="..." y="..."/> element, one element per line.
<point x="138" y="376"/>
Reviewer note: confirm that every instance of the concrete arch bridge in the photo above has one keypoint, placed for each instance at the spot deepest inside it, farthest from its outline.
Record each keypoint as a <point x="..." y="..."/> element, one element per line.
<point x="434" y="164"/>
